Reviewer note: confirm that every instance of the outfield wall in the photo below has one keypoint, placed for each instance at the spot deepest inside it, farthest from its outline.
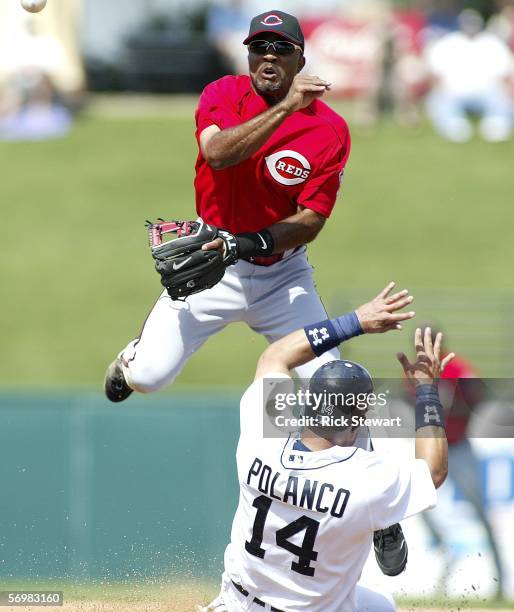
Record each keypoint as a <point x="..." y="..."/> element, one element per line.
<point x="92" y="490"/>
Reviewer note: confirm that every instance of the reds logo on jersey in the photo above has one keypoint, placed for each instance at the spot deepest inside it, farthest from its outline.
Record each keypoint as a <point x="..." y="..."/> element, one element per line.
<point x="272" y="20"/>
<point x="288" y="167"/>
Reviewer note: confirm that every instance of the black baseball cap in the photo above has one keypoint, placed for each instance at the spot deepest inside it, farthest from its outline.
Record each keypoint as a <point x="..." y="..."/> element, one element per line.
<point x="278" y="22"/>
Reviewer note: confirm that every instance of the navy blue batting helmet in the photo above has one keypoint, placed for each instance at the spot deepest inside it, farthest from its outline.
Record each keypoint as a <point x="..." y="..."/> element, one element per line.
<point x="339" y="388"/>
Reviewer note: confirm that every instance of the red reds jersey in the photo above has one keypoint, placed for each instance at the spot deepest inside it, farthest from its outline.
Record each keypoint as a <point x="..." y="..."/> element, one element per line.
<point x="301" y="164"/>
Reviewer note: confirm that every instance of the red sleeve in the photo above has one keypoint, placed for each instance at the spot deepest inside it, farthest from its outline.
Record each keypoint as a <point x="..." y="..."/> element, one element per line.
<point x="320" y="192"/>
<point x="218" y="106"/>
<point x="459" y="368"/>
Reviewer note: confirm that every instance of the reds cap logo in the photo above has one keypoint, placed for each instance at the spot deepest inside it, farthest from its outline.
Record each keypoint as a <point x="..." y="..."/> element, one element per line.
<point x="272" y="20"/>
<point x="288" y="167"/>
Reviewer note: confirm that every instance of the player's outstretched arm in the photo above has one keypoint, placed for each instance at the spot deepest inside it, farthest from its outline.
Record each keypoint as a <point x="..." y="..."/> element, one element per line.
<point x="424" y="374"/>
<point x="225" y="148"/>
<point x="379" y="315"/>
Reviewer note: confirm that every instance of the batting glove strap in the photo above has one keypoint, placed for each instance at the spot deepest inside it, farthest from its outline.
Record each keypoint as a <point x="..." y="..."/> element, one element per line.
<point x="330" y="333"/>
<point x="429" y="410"/>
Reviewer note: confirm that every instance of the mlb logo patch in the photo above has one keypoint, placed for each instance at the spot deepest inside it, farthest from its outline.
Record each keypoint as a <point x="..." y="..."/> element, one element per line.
<point x="295" y="459"/>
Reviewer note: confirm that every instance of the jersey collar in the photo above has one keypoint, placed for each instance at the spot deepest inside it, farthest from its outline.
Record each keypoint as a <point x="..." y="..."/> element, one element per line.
<point x="293" y="459"/>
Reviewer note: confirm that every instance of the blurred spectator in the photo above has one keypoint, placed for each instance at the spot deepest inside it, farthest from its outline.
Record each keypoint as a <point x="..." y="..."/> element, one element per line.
<point x="502" y="23"/>
<point x="470" y="71"/>
<point x="41" y="75"/>
<point x="347" y="49"/>
<point x="374" y="20"/>
<point x="227" y="26"/>
<point x="404" y="75"/>
<point x="371" y="53"/>
<point x="461" y="394"/>
<point x="31" y="111"/>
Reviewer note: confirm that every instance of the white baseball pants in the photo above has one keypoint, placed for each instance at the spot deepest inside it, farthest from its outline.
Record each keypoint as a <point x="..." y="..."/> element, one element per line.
<point x="231" y="600"/>
<point x="273" y="300"/>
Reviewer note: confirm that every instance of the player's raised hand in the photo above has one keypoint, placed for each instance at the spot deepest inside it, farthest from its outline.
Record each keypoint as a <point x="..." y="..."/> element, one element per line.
<point x="381" y="314"/>
<point x="428" y="365"/>
<point x="304" y="89"/>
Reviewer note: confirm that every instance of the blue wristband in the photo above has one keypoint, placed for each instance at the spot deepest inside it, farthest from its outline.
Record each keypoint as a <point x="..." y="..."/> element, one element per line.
<point x="429" y="411"/>
<point x="328" y="334"/>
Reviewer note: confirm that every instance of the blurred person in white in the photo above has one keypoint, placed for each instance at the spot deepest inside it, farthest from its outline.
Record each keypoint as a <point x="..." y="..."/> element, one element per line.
<point x="227" y="25"/>
<point x="41" y="73"/>
<point x="502" y="24"/>
<point x="470" y="70"/>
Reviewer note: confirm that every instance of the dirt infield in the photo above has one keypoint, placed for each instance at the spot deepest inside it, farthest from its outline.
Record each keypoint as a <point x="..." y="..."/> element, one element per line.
<point x="184" y="605"/>
<point x="183" y="596"/>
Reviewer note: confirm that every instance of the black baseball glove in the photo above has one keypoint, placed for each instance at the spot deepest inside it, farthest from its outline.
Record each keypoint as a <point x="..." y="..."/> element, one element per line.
<point x="184" y="267"/>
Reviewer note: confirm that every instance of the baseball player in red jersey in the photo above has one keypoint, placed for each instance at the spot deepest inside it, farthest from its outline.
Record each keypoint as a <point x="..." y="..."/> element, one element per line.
<point x="271" y="158"/>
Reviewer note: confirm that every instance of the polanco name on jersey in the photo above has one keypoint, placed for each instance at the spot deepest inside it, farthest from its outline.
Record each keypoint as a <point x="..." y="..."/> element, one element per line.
<point x="301" y="492"/>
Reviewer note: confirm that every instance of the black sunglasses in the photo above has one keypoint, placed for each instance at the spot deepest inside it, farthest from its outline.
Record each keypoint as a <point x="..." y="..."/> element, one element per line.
<point x="280" y="47"/>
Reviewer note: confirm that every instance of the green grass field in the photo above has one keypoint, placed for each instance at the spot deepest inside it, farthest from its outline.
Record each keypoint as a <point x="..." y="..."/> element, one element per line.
<point x="77" y="277"/>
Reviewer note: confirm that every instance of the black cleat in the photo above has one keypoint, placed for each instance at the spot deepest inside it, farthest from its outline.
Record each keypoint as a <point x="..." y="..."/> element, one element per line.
<point x="115" y="385"/>
<point x="391" y="550"/>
